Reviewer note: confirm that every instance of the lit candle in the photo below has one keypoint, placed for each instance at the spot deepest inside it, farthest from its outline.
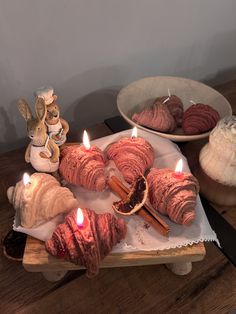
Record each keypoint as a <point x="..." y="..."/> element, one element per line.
<point x="26" y="179"/>
<point x="86" y="141"/>
<point x="134" y="132"/>
<point x="80" y="218"/>
<point x="179" y="170"/>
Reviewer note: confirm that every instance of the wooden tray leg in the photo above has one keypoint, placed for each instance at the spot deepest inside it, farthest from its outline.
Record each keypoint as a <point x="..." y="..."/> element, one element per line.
<point x="54" y="275"/>
<point x="180" y="268"/>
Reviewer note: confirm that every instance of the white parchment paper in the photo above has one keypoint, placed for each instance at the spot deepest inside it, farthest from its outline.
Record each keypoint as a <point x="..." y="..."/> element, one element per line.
<point x="139" y="237"/>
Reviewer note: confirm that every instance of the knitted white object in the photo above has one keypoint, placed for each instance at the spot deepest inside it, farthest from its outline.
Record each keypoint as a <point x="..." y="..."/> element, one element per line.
<point x="218" y="157"/>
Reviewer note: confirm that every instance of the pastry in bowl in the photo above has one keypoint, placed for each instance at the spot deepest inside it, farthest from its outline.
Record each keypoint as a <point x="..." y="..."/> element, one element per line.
<point x="156" y="117"/>
<point x="199" y="118"/>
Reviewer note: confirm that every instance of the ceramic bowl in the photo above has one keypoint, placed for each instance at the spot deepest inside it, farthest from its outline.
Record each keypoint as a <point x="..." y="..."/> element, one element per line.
<point x="139" y="94"/>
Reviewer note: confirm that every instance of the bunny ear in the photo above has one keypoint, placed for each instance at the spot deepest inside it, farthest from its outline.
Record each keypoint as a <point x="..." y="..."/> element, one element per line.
<point x="24" y="109"/>
<point x="40" y="108"/>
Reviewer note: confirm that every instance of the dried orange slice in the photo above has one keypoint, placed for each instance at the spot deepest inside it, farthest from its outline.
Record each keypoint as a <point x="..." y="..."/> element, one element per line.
<point x="135" y="199"/>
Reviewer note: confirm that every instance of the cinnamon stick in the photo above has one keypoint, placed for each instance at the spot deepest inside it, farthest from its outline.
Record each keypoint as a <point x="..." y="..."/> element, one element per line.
<point x="117" y="188"/>
<point x="122" y="191"/>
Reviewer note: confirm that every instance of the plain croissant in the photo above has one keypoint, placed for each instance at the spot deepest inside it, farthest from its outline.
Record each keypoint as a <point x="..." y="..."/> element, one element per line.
<point x="40" y="200"/>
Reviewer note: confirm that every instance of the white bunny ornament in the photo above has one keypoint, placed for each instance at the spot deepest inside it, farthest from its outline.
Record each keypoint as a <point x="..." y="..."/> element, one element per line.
<point x="42" y="152"/>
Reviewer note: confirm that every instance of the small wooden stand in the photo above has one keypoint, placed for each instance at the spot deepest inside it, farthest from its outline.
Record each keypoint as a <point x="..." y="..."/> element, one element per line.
<point x="179" y="260"/>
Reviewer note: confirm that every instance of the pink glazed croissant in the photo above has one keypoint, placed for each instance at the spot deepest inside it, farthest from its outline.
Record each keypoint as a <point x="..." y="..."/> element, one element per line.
<point x="89" y="244"/>
<point x="132" y="157"/>
<point x="83" y="167"/>
<point x="157" y="117"/>
<point x="175" y="197"/>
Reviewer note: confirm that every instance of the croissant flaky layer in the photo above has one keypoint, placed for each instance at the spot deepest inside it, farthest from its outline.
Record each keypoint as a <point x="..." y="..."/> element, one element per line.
<point x="88" y="244"/>
<point x="132" y="156"/>
<point x="40" y="200"/>
<point x="199" y="118"/>
<point x="157" y="117"/>
<point x="173" y="196"/>
<point x="83" y="167"/>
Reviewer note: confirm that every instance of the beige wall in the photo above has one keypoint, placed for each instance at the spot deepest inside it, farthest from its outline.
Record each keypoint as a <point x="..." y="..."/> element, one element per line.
<point x="87" y="49"/>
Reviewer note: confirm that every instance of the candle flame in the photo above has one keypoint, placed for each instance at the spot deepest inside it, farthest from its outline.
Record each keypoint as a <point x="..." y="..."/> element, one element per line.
<point x="179" y="166"/>
<point x="79" y="217"/>
<point x="26" y="179"/>
<point x="134" y="132"/>
<point x="86" y="141"/>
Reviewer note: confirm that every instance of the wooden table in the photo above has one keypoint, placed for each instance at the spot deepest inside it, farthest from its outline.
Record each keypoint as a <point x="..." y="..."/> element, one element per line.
<point x="209" y="288"/>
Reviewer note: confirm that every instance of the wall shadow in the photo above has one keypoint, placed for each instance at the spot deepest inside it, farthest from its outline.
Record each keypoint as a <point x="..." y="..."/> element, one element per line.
<point x="9" y="139"/>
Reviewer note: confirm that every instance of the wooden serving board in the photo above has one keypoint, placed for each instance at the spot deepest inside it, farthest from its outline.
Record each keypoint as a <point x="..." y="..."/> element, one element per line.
<point x="179" y="260"/>
<point x="36" y="258"/>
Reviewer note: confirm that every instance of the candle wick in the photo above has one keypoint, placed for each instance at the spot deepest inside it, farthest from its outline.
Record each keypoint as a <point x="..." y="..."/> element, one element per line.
<point x="169" y="92"/>
<point x="166" y="100"/>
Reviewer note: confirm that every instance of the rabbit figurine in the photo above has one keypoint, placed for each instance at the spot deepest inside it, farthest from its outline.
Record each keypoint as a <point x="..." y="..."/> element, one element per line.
<point x="42" y="152"/>
<point x="57" y="127"/>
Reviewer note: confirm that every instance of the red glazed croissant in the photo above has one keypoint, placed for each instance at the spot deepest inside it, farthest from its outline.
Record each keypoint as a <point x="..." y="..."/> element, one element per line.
<point x="199" y="118"/>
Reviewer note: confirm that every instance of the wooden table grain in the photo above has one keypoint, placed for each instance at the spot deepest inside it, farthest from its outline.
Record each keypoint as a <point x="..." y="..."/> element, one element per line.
<point x="209" y="288"/>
